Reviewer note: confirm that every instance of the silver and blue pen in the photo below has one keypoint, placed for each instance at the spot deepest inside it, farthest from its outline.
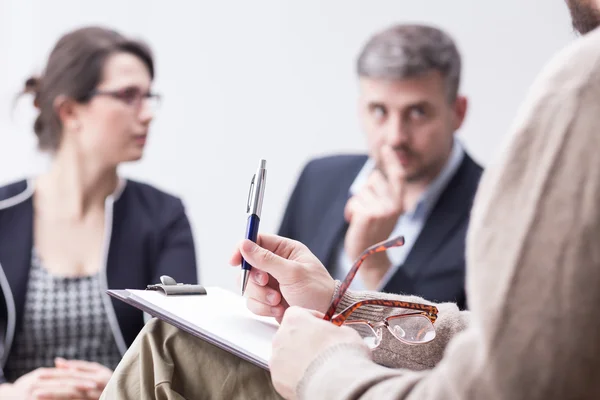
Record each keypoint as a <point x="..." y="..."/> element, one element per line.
<point x="254" y="209"/>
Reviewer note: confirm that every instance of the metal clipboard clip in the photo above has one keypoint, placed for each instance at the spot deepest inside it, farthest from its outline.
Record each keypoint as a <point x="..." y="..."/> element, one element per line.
<point x="170" y="287"/>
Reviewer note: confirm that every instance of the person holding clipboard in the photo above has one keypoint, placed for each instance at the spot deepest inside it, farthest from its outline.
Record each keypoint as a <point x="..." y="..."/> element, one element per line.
<point x="532" y="260"/>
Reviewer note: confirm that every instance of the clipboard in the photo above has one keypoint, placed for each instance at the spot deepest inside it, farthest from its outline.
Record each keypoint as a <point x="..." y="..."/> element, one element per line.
<point x="219" y="317"/>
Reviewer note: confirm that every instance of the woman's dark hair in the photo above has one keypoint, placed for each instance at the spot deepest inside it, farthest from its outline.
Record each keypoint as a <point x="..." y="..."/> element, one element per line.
<point x="74" y="69"/>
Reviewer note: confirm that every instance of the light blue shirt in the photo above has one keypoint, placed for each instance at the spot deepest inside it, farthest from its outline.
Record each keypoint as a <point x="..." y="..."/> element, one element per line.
<point x="409" y="224"/>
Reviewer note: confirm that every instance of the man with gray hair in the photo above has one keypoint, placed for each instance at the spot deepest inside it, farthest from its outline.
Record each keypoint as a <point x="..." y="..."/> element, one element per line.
<point x="409" y="104"/>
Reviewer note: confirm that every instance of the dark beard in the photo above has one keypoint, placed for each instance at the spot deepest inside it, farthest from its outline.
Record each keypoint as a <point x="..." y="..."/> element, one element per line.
<point x="585" y="17"/>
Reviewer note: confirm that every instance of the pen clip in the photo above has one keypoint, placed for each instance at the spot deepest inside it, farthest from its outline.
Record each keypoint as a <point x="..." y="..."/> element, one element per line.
<point x="250" y="194"/>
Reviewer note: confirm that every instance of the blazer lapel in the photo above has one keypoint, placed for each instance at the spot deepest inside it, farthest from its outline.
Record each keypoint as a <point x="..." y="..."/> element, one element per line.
<point x="328" y="233"/>
<point x="16" y="241"/>
<point x="441" y="222"/>
<point x="452" y="207"/>
<point x="331" y="230"/>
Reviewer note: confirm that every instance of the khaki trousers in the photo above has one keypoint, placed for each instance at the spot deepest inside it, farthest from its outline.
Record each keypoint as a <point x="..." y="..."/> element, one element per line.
<point x="167" y="363"/>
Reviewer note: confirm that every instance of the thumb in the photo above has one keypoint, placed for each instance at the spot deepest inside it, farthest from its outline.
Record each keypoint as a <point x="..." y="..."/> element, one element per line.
<point x="265" y="260"/>
<point x="297" y="313"/>
<point x="317" y="314"/>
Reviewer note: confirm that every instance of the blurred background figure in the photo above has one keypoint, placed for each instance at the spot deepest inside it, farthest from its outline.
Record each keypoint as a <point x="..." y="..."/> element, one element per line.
<point x="410" y="108"/>
<point x="68" y="235"/>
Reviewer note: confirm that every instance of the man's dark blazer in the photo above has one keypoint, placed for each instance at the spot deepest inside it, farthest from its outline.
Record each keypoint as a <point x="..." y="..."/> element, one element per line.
<point x="435" y="267"/>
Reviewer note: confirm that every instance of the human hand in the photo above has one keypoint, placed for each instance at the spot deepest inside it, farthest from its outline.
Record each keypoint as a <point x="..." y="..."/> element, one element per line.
<point x="284" y="273"/>
<point x="48" y="384"/>
<point x="92" y="371"/>
<point x="372" y="215"/>
<point x="302" y="336"/>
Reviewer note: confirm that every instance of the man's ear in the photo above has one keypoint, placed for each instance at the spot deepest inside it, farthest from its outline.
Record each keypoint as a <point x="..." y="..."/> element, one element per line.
<point x="67" y="111"/>
<point x="460" y="111"/>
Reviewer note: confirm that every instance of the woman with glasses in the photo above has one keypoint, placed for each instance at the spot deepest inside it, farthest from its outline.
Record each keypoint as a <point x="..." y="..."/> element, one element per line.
<point x="68" y="235"/>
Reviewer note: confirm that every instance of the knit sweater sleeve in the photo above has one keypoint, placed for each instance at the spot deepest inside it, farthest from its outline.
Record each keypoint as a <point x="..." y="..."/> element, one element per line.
<point x="393" y="353"/>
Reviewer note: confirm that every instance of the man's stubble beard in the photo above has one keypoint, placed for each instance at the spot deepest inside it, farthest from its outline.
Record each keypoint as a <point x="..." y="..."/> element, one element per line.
<point x="585" y="16"/>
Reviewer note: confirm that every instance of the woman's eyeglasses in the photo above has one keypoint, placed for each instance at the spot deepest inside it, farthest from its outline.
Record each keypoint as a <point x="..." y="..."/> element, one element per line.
<point x="132" y="96"/>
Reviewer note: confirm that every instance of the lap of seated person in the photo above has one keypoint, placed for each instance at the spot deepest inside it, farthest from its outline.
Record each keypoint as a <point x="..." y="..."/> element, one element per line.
<point x="167" y="363"/>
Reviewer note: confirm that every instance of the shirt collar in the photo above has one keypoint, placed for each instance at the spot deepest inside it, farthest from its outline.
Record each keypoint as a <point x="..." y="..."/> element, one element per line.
<point x="433" y="191"/>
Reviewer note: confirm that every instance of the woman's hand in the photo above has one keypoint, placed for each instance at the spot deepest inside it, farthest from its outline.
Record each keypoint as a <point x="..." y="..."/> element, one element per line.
<point x="91" y="371"/>
<point x="49" y="384"/>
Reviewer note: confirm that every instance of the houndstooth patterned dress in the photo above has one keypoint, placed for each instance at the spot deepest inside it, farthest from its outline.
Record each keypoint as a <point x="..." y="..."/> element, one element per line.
<point x="63" y="317"/>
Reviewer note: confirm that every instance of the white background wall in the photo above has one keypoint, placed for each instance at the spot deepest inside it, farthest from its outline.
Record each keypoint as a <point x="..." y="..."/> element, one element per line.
<point x="274" y="79"/>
